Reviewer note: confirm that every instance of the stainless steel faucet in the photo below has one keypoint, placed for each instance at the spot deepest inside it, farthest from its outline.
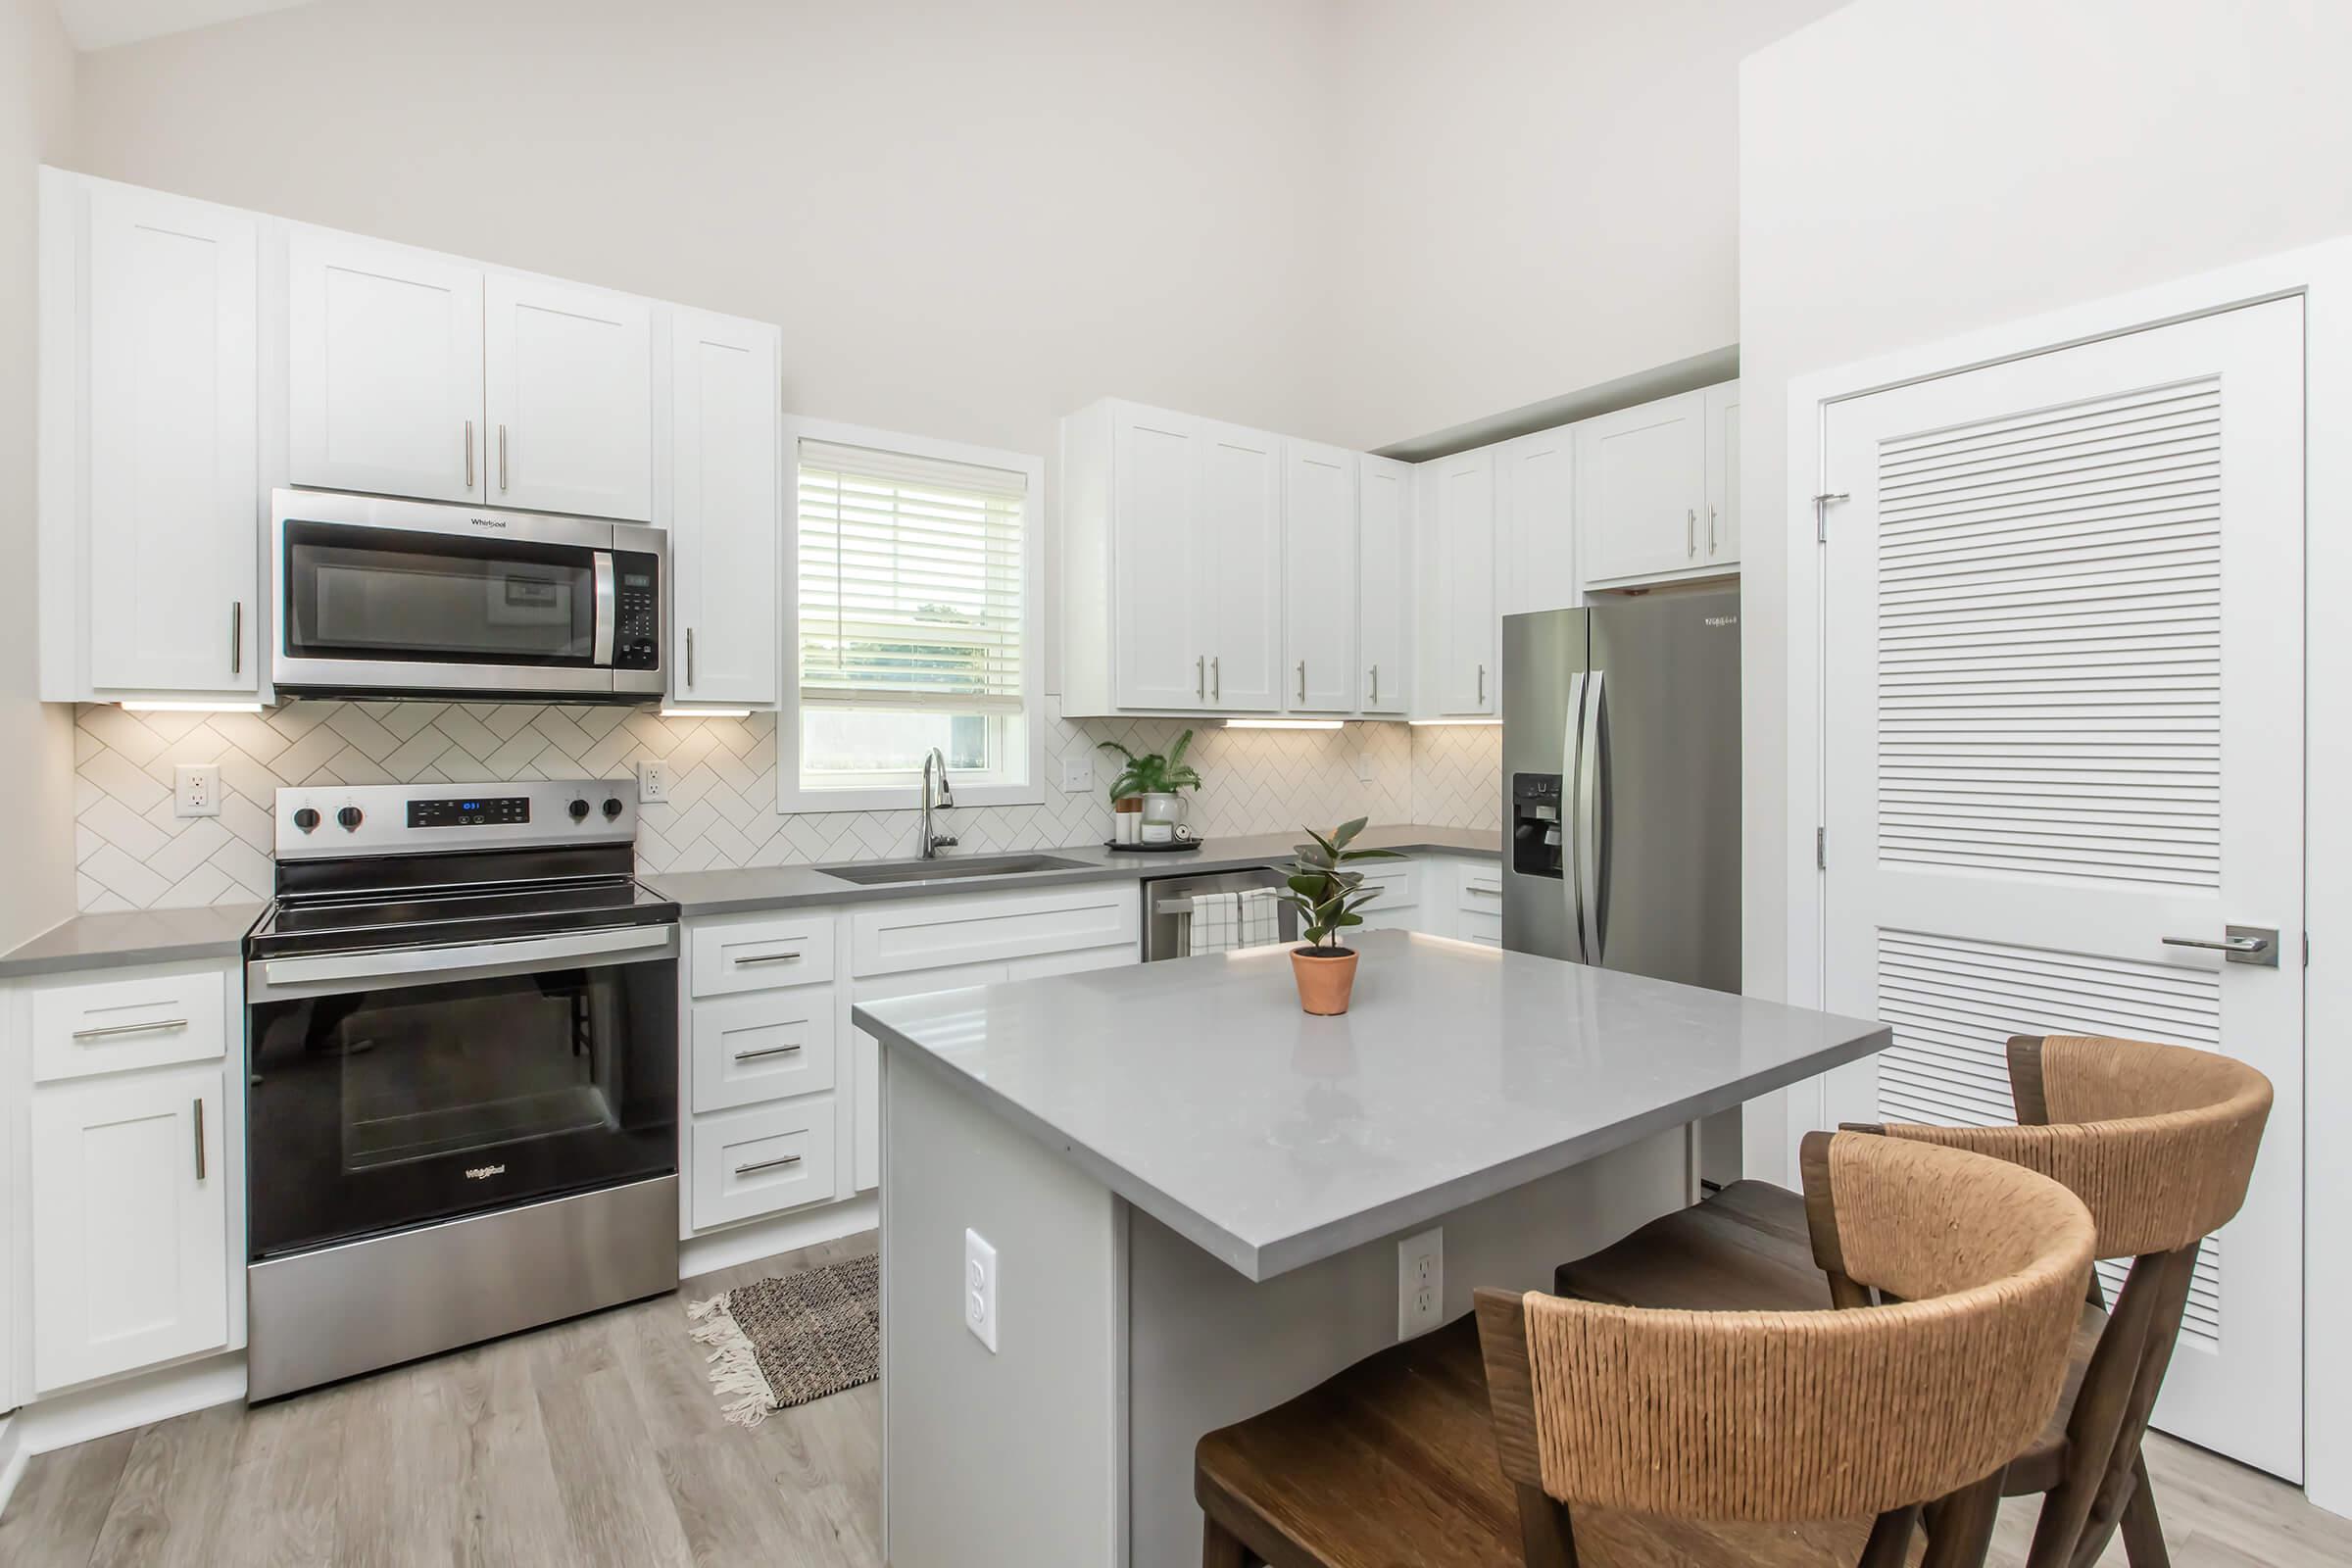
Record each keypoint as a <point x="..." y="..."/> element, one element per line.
<point x="933" y="843"/>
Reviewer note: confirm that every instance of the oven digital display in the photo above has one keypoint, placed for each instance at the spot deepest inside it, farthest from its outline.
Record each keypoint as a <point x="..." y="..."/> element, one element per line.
<point x="470" y="814"/>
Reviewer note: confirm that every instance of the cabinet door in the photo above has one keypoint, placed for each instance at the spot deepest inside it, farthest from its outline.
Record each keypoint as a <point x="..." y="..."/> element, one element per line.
<point x="129" y="1223"/>
<point x="384" y="368"/>
<point x="1384" y="542"/>
<point x="1640" y="489"/>
<point x="1720" y="541"/>
<point x="1241" y="496"/>
<point x="1318" y="530"/>
<point x="1534" y="522"/>
<point x="725" y="512"/>
<point x="1159" y="560"/>
<point x="1462" y="543"/>
<point x="568" y="388"/>
<point x="174" y="581"/>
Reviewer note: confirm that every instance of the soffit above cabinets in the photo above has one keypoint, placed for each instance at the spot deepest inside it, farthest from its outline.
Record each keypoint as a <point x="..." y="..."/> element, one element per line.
<point x="104" y="24"/>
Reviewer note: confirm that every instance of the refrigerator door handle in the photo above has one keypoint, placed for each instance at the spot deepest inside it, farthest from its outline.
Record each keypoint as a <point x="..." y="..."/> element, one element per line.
<point x="1572" y="887"/>
<point x="1590" y="804"/>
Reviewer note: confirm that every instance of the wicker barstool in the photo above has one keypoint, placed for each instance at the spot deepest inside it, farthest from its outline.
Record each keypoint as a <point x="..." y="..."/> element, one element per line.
<point x="1631" y="1436"/>
<point x="2158" y="1141"/>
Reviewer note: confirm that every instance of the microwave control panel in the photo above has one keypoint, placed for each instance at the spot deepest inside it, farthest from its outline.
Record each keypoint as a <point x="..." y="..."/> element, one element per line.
<point x="637" y="637"/>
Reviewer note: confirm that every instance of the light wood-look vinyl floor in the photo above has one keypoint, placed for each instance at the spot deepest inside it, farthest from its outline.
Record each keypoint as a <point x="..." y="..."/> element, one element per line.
<point x="599" y="1441"/>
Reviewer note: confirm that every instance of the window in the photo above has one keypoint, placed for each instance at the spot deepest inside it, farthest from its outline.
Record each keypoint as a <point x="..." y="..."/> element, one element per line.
<point x="915" y="622"/>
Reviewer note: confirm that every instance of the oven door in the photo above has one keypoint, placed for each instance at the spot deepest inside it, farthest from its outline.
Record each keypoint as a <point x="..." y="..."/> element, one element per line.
<point x="380" y="596"/>
<point x="395" y="1088"/>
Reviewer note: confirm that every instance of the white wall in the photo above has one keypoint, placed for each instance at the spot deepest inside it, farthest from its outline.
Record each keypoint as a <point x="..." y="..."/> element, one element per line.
<point x="36" y="879"/>
<point x="1910" y="170"/>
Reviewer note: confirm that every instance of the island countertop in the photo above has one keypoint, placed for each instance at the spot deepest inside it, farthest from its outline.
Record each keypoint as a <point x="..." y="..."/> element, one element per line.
<point x="1198" y="1091"/>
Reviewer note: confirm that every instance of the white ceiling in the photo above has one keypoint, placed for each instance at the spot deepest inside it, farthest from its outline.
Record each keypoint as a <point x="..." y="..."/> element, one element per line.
<point x="103" y="24"/>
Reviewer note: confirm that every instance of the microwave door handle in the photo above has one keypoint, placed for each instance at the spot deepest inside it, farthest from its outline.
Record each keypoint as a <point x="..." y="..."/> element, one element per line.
<point x="602" y="655"/>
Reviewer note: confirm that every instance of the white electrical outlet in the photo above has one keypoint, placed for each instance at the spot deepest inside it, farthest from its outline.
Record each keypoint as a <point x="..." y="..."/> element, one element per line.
<point x="980" y="1289"/>
<point x="1078" y="776"/>
<point x="653" y="782"/>
<point x="196" y="789"/>
<point x="1420" y="1282"/>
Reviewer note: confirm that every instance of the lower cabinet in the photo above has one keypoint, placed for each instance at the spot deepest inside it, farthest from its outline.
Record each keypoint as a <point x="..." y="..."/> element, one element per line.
<point x="741" y="1164"/>
<point x="129" y="1215"/>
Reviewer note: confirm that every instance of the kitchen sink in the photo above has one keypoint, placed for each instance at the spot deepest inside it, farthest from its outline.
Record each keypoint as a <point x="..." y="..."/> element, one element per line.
<point x="948" y="868"/>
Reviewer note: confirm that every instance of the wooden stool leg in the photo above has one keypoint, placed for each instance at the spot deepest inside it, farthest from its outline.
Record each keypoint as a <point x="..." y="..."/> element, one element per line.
<point x="1220" y="1547"/>
<point x="1890" y="1545"/>
<point x="1964" y="1526"/>
<point x="2143" y="1532"/>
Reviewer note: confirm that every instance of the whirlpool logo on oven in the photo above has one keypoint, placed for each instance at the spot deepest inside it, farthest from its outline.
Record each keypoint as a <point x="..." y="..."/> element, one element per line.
<point x="484" y="1172"/>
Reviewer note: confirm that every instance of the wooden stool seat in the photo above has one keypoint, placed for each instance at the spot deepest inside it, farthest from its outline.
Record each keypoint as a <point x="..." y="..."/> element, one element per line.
<point x="1391" y="1462"/>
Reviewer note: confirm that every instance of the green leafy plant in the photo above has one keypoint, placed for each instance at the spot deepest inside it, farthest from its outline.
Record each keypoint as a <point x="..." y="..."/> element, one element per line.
<point x="1151" y="773"/>
<point x="1325" y="893"/>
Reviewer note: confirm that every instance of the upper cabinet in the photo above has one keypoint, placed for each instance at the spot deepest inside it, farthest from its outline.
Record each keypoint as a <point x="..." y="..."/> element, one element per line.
<point x="1383" y="595"/>
<point x="1240" y="548"/>
<point x="1458" y="623"/>
<point x="148" y="444"/>
<point x="1720" y="545"/>
<point x="726" y="484"/>
<point x="412" y="373"/>
<point x="1534" y="522"/>
<point x="1653" y="503"/>
<point x="1319" y="547"/>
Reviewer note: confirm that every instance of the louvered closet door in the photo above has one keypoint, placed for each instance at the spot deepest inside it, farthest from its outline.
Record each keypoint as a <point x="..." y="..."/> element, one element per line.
<point x="2064" y="713"/>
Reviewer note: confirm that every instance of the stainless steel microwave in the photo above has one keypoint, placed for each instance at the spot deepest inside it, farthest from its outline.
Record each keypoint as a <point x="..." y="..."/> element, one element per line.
<point x="377" y="598"/>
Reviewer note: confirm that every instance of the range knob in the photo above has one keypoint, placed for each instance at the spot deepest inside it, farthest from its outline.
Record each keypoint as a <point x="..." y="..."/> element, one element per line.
<point x="578" y="809"/>
<point x="306" y="820"/>
<point x="612" y="807"/>
<point x="348" y="817"/>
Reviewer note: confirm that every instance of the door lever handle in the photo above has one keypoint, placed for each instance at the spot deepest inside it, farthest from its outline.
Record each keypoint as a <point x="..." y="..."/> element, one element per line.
<point x="2242" y="944"/>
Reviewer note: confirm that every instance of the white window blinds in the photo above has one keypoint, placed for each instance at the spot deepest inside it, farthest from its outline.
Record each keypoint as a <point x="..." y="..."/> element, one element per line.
<point x="910" y="580"/>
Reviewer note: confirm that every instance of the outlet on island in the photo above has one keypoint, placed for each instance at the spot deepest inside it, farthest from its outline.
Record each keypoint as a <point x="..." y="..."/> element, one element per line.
<point x="1421" y="1282"/>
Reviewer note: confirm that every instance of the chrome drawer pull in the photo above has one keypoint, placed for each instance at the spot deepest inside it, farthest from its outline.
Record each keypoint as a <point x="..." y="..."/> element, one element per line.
<point x="768" y="958"/>
<point x="1482" y="891"/>
<point x="769" y="1050"/>
<point x="104" y="1030"/>
<point x="768" y="1164"/>
<point x="470" y="457"/>
<point x="198" y="1102"/>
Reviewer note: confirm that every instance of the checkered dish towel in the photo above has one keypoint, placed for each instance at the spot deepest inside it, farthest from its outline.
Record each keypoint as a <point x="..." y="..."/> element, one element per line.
<point x="1221" y="922"/>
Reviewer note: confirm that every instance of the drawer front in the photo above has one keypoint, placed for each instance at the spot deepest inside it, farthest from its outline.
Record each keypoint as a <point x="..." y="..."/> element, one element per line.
<point x="1395" y="887"/>
<point x="766" y="953"/>
<point x="766" y="1044"/>
<point x="935" y="933"/>
<point x="140" y="1020"/>
<point x="1481" y="927"/>
<point x="746" y="1163"/>
<point x="1482" y="891"/>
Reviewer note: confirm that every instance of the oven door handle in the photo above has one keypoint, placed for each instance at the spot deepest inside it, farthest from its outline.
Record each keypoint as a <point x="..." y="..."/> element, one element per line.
<point x="358" y="972"/>
<point x="607" y="611"/>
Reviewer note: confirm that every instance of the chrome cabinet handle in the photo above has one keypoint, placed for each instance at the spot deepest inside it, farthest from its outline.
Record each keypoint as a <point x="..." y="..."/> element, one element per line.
<point x="767" y="957"/>
<point x="198" y="1102"/>
<point x="1303" y="680"/>
<point x="104" y="1030"/>
<point x="1217" y="683"/>
<point x="1690" y="527"/>
<point x="1710" y="530"/>
<point x="1200" y="677"/>
<point x="501" y="460"/>
<point x="766" y="1051"/>
<point x="470" y="457"/>
<point x="236" y="637"/>
<point x="690" y="657"/>
<point x="2239" y="944"/>
<point x="1376" y="685"/>
<point x="1482" y="890"/>
<point x="777" y="1163"/>
<point x="1482" y="685"/>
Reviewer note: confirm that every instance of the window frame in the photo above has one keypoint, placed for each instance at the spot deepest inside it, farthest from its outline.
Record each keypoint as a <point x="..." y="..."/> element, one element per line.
<point x="792" y="795"/>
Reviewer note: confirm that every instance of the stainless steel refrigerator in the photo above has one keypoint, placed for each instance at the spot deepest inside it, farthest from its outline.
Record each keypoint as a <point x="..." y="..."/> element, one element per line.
<point x="1621" y="794"/>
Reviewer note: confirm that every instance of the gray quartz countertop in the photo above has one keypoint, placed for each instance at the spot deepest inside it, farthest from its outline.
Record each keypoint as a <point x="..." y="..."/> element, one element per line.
<point x="1198" y="1090"/>
<point x="135" y="937"/>
<point x="787" y="887"/>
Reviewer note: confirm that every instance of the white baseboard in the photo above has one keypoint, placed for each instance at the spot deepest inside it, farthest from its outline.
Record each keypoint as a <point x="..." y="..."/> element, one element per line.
<point x="12" y="1459"/>
<point x="103" y="1409"/>
<point x="786" y="1233"/>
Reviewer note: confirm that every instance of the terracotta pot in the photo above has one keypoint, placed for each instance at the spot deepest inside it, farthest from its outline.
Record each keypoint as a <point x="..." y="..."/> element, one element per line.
<point x="1326" y="977"/>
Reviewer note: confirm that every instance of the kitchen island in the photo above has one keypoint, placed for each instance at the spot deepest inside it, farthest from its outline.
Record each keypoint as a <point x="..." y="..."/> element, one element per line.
<point x="1192" y="1190"/>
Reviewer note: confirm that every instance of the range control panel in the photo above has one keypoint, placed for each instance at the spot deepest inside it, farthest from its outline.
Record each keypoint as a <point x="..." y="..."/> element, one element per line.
<point x="469" y="812"/>
<point x="637" y="633"/>
<point x="314" y="822"/>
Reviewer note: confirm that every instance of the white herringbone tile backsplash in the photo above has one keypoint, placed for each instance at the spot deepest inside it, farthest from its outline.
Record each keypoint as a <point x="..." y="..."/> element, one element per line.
<point x="132" y="853"/>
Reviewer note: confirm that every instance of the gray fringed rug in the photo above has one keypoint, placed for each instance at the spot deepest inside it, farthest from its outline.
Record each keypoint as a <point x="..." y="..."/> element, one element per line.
<point x="785" y="1340"/>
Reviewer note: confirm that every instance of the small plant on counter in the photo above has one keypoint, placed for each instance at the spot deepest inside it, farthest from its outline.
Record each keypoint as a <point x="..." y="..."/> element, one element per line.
<point x="1327" y="895"/>
<point x="1151" y="773"/>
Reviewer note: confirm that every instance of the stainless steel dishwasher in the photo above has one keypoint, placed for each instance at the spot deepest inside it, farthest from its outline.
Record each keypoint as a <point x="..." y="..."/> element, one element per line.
<point x="1167" y="897"/>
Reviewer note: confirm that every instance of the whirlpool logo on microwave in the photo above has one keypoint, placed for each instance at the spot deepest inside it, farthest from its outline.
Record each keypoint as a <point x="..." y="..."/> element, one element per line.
<point x="485" y="1172"/>
<point x="487" y="522"/>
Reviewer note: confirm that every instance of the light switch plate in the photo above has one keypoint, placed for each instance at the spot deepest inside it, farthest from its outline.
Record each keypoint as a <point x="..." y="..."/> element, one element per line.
<point x="980" y="1289"/>
<point x="196" y="789"/>
<point x="1421" y="1282"/>
<point x="653" y="782"/>
<point x="1077" y="775"/>
<point x="1363" y="765"/>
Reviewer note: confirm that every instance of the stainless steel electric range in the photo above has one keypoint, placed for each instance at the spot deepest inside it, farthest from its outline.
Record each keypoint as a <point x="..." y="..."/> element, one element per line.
<point x="461" y="1118"/>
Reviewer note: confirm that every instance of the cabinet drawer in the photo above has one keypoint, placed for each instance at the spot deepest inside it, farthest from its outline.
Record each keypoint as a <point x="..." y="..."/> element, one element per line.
<point x="1396" y="886"/>
<point x="935" y="933"/>
<point x="1481" y="927"/>
<point x="1481" y="891"/>
<point x="765" y="952"/>
<point x="142" y="1020"/>
<point x="767" y="1045"/>
<point x="742" y="1164"/>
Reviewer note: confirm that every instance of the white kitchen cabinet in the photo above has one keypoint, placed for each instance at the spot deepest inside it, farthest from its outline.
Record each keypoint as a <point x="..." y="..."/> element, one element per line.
<point x="1241" y="523"/>
<point x="1458" y="555"/>
<point x="1384" y="585"/>
<point x="129" y="1215"/>
<point x="1719" y="544"/>
<point x="567" y="390"/>
<point x="1534" y="522"/>
<point x="1642" y="490"/>
<point x="1148" y="531"/>
<point x="148" y="426"/>
<point x="726" y="516"/>
<point x="762" y="1160"/>
<point x="1319" y="546"/>
<point x="383" y="367"/>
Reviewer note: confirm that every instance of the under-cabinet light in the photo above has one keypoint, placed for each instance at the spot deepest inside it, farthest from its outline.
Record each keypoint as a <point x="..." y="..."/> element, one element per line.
<point x="1284" y="724"/>
<point x="706" y="713"/>
<point x="1436" y="724"/>
<point x="191" y="708"/>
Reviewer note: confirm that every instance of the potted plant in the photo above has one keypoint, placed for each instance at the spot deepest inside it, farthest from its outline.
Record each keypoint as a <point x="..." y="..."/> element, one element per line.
<point x="1154" y="780"/>
<point x="1327" y="895"/>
